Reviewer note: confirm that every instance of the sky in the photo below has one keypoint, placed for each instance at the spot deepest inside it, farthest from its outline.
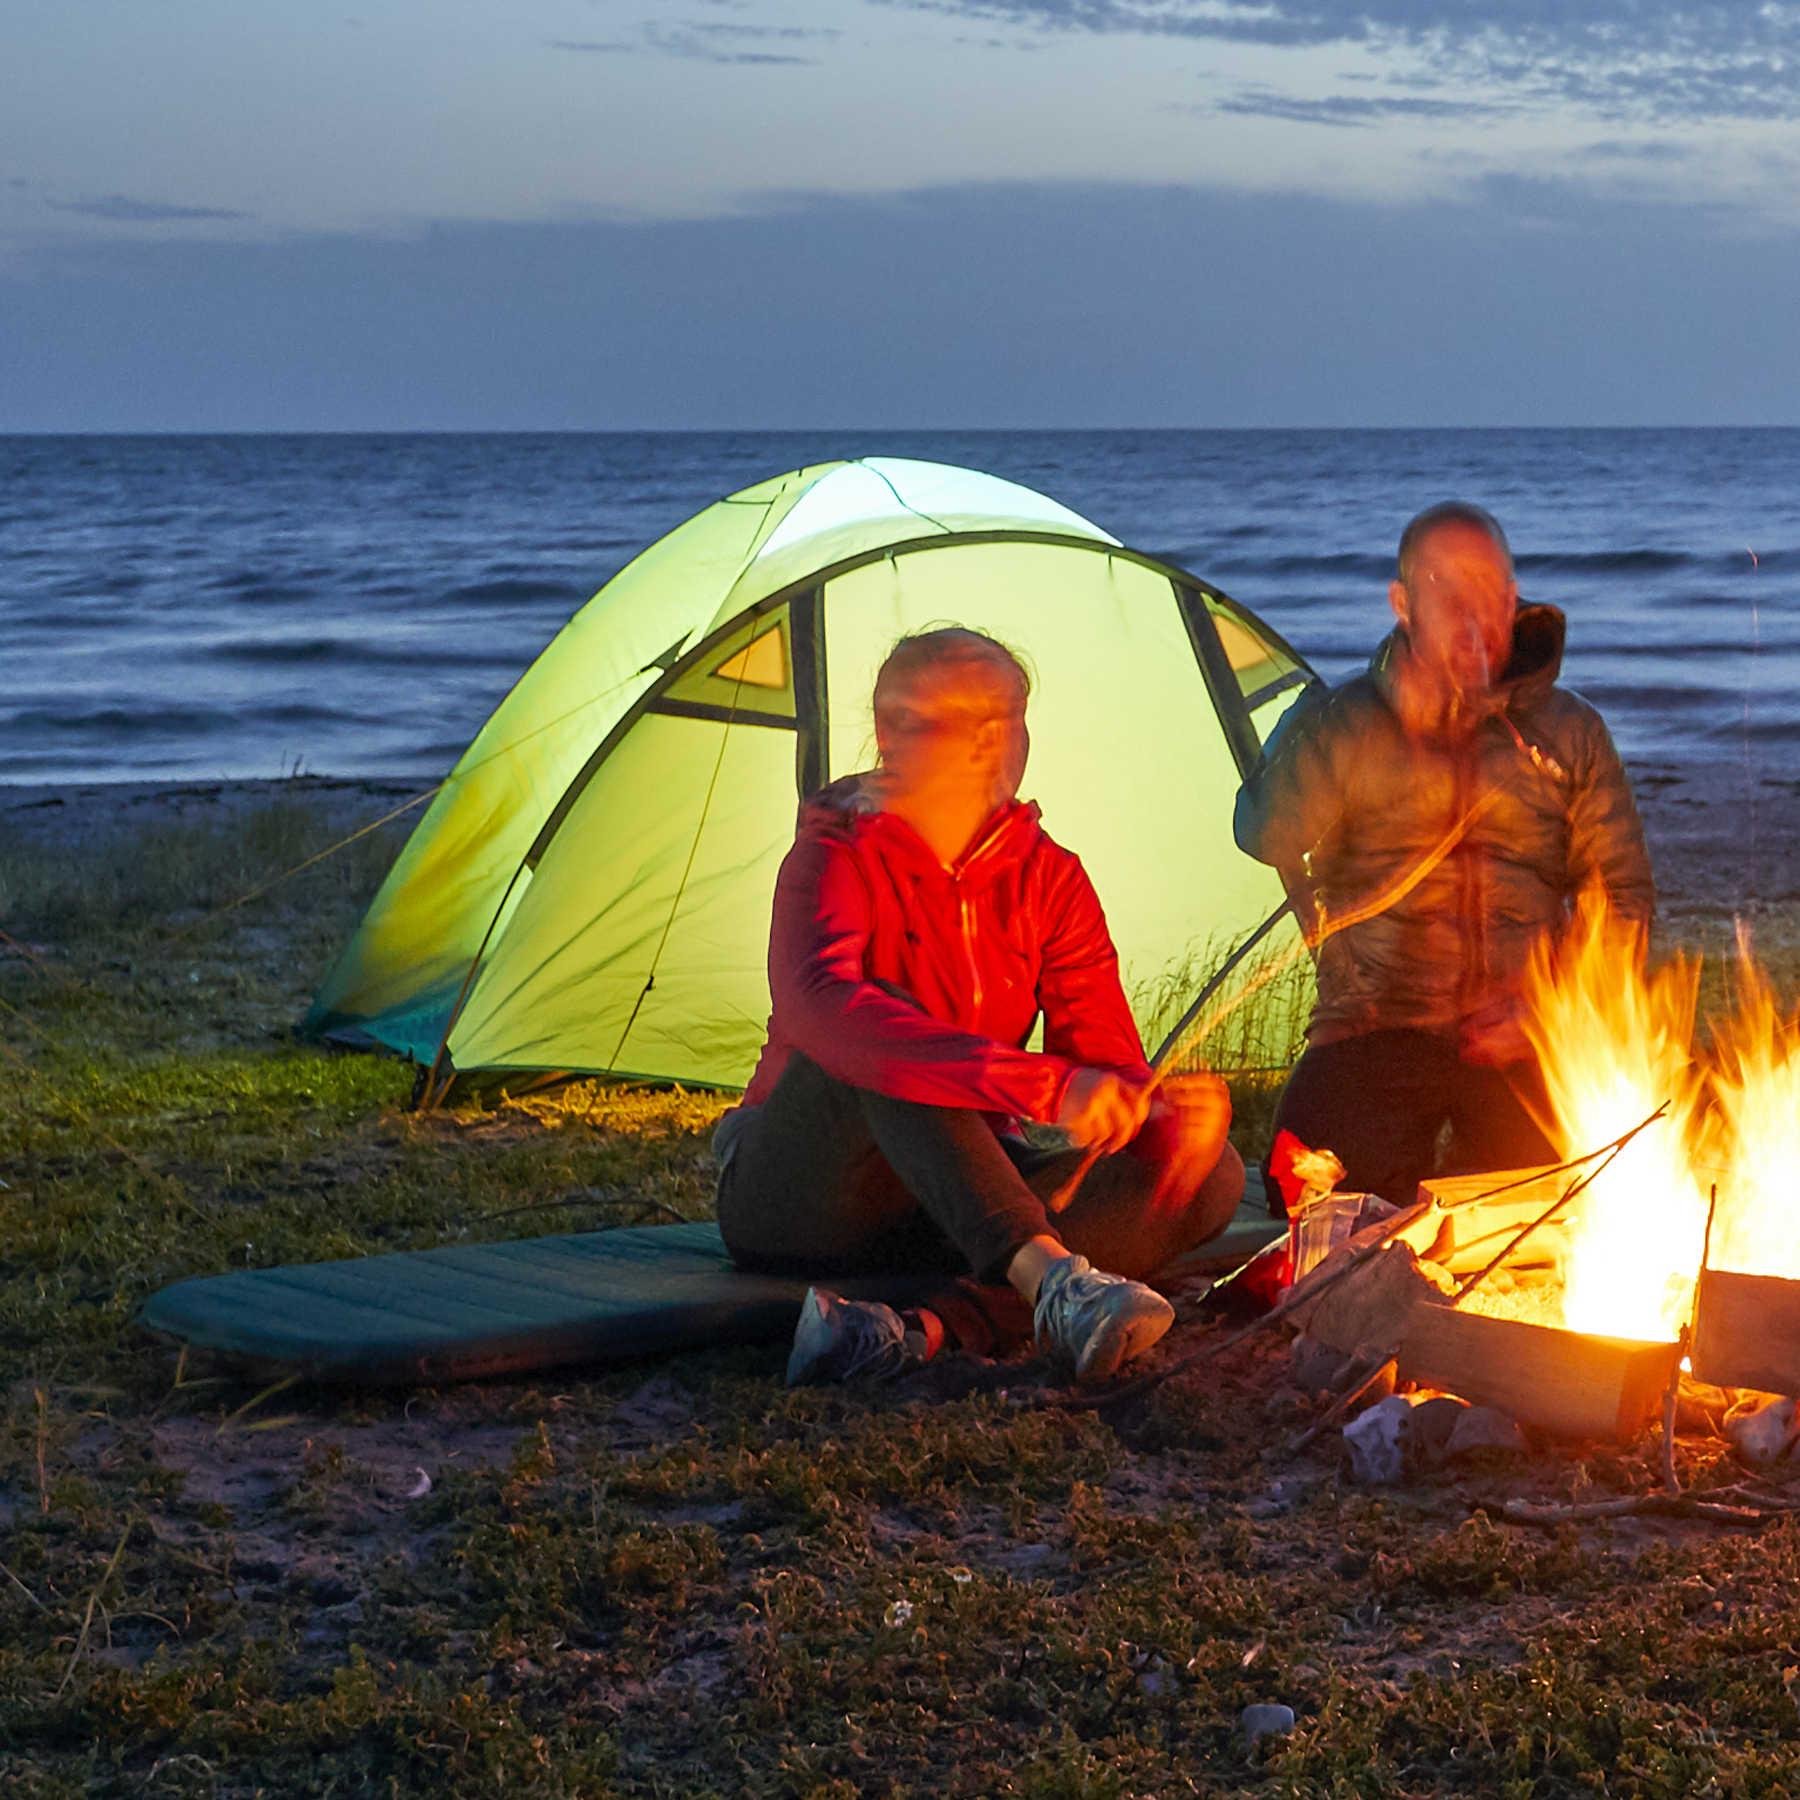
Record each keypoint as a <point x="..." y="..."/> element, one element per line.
<point x="625" y="214"/>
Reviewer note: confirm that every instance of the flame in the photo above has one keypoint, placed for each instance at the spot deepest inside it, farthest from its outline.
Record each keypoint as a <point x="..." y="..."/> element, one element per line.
<point x="1615" y="1041"/>
<point x="1755" y="1133"/>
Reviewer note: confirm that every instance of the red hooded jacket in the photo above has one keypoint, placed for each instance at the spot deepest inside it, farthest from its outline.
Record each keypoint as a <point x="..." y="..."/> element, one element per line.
<point x="1012" y="930"/>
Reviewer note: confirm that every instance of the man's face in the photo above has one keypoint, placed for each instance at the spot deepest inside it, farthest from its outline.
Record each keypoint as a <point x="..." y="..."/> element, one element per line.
<point x="1458" y="606"/>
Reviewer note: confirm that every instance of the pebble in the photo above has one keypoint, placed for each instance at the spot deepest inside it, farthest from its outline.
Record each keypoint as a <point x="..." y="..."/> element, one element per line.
<point x="1258" y="1722"/>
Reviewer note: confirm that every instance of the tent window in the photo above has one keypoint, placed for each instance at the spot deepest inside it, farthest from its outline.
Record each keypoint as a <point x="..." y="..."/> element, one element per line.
<point x="748" y="675"/>
<point x="1257" y="664"/>
<point x="761" y="663"/>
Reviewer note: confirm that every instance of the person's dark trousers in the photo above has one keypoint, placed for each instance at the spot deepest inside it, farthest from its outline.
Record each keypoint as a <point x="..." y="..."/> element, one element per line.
<point x="828" y="1179"/>
<point x="1381" y="1102"/>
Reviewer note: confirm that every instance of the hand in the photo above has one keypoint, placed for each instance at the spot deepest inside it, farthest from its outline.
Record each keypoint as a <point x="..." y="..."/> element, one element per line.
<point x="1198" y="1108"/>
<point x="1103" y="1110"/>
<point x="1494" y="1036"/>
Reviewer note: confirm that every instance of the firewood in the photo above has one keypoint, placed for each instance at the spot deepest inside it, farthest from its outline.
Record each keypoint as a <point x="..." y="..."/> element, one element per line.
<point x="1563" y="1382"/>
<point x="1667" y="1506"/>
<point x="1370" y="1307"/>
<point x="1747" y="1331"/>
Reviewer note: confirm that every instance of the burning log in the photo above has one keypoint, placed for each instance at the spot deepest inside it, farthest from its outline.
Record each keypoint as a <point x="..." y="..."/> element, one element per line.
<point x="1747" y="1332"/>
<point x="1564" y="1382"/>
<point x="1476" y="1215"/>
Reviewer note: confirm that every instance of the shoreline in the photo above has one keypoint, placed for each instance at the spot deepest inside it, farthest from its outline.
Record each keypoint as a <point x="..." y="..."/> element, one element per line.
<point x="1724" y="843"/>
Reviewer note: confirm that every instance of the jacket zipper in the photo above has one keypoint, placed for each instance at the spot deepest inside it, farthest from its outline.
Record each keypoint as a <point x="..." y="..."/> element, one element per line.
<point x="967" y="912"/>
<point x="968" y="925"/>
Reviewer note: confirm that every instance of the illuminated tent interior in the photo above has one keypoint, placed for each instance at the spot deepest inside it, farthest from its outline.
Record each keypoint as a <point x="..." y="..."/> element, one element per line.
<point x="589" y="891"/>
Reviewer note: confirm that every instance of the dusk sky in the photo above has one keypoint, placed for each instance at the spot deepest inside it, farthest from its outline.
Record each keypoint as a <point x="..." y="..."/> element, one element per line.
<point x="761" y="213"/>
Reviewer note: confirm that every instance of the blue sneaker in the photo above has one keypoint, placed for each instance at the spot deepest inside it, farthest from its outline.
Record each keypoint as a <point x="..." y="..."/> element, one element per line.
<point x="1095" y="1321"/>
<point x="849" y="1340"/>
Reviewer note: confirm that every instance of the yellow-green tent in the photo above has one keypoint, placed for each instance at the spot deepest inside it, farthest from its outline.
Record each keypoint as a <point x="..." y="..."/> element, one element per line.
<point x="590" y="889"/>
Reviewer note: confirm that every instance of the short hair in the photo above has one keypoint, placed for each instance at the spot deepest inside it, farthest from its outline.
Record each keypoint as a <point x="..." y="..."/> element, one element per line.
<point x="942" y="653"/>
<point x="1446" y="512"/>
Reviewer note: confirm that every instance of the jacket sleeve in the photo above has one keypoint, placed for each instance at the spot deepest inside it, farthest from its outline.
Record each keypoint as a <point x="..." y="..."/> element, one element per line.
<point x="1293" y="797"/>
<point x="862" y="1033"/>
<point x="1606" y="837"/>
<point x="1086" y="1018"/>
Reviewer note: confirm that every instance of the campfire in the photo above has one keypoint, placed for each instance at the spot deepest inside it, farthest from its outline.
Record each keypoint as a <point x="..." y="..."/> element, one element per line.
<point x="1709" y="1187"/>
<point x="1684" y="1242"/>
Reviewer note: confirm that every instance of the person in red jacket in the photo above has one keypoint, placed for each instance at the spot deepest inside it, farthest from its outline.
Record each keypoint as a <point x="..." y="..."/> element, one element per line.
<point x="923" y="921"/>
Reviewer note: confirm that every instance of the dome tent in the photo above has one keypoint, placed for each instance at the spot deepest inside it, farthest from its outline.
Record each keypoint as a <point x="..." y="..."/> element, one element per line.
<point x="589" y="891"/>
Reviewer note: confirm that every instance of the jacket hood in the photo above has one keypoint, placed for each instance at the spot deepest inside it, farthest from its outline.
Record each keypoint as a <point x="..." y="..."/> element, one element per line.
<point x="846" y="809"/>
<point x="1532" y="666"/>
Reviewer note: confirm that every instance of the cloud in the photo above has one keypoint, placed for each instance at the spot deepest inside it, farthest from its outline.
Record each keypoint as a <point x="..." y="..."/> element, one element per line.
<point x="1660" y="59"/>
<point x="1013" y="304"/>
<point x="1349" y="109"/>
<point x="740" y="46"/>
<point x="1657" y="150"/>
<point x="123" y="209"/>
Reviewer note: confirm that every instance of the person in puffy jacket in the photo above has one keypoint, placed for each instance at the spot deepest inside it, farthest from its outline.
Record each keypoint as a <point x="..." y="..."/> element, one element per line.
<point x="1460" y="799"/>
<point x="923" y="923"/>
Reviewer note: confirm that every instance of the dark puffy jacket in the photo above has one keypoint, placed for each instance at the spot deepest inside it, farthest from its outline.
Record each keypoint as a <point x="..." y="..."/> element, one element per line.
<point x="862" y="907"/>
<point x="1344" y="804"/>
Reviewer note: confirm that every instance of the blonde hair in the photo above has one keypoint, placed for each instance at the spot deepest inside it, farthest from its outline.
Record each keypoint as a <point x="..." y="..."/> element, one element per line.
<point x="956" y="659"/>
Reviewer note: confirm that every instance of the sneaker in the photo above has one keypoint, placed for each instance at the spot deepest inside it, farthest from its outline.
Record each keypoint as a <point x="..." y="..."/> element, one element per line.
<point x="849" y="1340"/>
<point x="1097" y="1321"/>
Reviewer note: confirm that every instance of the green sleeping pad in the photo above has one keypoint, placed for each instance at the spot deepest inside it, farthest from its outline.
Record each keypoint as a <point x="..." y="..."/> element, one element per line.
<point x="470" y="1310"/>
<point x="490" y="1309"/>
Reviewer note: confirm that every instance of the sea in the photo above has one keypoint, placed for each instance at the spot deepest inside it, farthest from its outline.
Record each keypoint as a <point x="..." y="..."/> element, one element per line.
<point x="198" y="608"/>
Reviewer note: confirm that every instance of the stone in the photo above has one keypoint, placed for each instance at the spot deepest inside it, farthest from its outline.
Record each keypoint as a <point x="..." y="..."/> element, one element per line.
<point x="1318" y="1367"/>
<point x="1379" y="1442"/>
<point x="1762" y="1430"/>
<point x="1484" y="1428"/>
<point x="1265" y="1720"/>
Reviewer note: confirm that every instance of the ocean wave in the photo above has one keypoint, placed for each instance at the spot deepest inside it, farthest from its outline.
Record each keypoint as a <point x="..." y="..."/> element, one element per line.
<point x="353" y="654"/>
<point x="1761" y="729"/>
<point x="111" y="582"/>
<point x="1670" y="699"/>
<point x="1330" y="562"/>
<point x="514" y="589"/>
<point x="261" y="589"/>
<point x="123" y="721"/>
<point x="1604" y="562"/>
<point x="301" y="712"/>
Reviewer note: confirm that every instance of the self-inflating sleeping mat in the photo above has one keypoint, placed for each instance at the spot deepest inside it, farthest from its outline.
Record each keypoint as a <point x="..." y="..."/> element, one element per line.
<point x="471" y="1310"/>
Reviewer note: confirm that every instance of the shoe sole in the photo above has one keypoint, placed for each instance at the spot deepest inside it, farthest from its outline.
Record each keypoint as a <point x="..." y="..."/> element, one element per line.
<point x="1116" y="1344"/>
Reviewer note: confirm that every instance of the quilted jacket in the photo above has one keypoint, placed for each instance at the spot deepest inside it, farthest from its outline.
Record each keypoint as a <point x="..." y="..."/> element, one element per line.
<point x="1346" y="805"/>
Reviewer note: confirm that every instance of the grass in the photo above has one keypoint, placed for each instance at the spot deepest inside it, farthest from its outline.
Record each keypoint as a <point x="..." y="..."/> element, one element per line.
<point x="678" y="1578"/>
